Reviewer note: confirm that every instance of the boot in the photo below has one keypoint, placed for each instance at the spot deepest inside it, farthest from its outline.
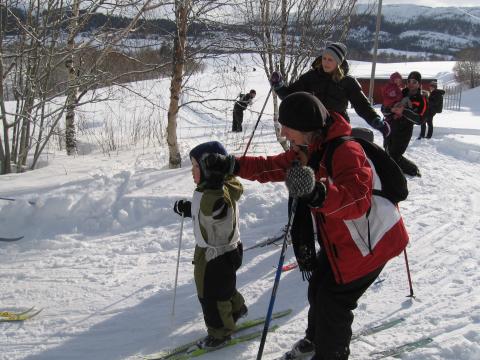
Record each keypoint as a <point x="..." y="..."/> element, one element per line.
<point x="210" y="342"/>
<point x="301" y="349"/>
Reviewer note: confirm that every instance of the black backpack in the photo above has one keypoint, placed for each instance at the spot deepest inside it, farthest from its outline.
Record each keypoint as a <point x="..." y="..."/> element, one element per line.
<point x="394" y="183"/>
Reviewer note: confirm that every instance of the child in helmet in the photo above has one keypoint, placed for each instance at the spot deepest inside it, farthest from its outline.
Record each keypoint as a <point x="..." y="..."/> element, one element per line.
<point x="218" y="251"/>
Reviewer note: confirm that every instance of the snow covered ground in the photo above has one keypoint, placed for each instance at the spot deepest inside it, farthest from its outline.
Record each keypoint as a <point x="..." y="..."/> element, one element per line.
<point x="100" y="245"/>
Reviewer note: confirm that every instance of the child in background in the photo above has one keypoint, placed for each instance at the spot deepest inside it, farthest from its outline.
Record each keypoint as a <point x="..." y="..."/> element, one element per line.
<point x="218" y="251"/>
<point x="391" y="94"/>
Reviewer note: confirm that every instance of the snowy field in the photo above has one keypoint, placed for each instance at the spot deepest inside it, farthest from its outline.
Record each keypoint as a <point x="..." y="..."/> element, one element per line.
<point x="101" y="240"/>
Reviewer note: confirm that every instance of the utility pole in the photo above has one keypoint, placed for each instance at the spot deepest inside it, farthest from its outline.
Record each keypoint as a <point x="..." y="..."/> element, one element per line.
<point x="375" y="47"/>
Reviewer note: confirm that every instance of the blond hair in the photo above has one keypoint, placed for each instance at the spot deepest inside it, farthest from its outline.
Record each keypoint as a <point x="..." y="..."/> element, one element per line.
<point x="338" y="74"/>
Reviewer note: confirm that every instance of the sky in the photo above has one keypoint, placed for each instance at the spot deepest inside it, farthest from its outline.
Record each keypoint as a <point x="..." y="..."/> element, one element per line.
<point x="431" y="3"/>
<point x="101" y="240"/>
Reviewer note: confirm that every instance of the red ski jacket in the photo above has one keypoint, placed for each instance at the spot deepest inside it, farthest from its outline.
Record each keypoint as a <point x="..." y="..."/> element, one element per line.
<point x="359" y="231"/>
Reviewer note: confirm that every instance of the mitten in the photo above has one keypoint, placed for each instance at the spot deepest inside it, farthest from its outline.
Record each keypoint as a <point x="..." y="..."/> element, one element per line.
<point x="300" y="181"/>
<point x="276" y="80"/>
<point x="215" y="167"/>
<point x="183" y="207"/>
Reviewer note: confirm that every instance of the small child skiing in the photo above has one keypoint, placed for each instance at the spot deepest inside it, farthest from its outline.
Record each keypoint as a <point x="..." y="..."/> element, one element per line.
<point x="218" y="251"/>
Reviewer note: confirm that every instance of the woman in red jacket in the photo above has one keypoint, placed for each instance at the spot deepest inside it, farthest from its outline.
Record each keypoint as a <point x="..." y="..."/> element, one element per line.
<point x="345" y="214"/>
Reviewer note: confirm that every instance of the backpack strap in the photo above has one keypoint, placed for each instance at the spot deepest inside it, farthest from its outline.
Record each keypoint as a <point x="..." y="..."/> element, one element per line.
<point x="330" y="148"/>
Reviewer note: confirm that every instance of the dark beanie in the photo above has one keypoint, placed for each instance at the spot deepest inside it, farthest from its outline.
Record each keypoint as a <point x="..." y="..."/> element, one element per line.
<point x="302" y="111"/>
<point x="337" y="50"/>
<point x="415" y="75"/>
<point x="207" y="148"/>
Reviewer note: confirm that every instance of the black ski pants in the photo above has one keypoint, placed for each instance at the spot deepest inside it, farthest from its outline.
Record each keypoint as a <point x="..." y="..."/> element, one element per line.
<point x="428" y="121"/>
<point x="397" y="142"/>
<point x="237" y="120"/>
<point x="330" y="315"/>
<point x="216" y="288"/>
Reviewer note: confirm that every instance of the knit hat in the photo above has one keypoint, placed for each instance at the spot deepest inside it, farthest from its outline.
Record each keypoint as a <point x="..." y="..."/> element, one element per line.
<point x="303" y="112"/>
<point x="207" y="148"/>
<point x="396" y="75"/>
<point x="415" y="75"/>
<point x="336" y="50"/>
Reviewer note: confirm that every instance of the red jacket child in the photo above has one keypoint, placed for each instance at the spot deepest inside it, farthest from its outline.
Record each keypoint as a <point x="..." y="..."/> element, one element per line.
<point x="392" y="92"/>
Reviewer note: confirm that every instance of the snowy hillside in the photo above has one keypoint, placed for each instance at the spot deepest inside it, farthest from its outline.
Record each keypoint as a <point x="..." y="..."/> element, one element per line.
<point x="101" y="239"/>
<point x="403" y="13"/>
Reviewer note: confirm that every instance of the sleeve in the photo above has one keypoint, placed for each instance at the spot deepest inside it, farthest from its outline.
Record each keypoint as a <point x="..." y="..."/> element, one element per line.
<point x="412" y="116"/>
<point x="300" y="85"/>
<point x="349" y="189"/>
<point x="265" y="169"/>
<point x="360" y="102"/>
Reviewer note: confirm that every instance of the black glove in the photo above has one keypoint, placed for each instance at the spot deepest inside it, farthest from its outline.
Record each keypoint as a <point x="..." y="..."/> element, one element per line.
<point x="385" y="129"/>
<point x="300" y="181"/>
<point x="276" y="80"/>
<point x="183" y="207"/>
<point x="215" y="167"/>
<point x="318" y="195"/>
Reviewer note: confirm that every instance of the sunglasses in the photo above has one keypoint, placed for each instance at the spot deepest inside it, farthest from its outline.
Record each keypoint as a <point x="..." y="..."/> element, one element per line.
<point x="412" y="81"/>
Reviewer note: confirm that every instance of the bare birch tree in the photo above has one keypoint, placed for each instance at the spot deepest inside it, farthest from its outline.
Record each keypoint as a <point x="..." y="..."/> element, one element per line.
<point x="31" y="59"/>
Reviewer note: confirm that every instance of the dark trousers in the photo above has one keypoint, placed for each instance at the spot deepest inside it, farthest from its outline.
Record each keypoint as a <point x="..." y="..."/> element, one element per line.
<point x="216" y="288"/>
<point x="237" y="120"/>
<point x="397" y="142"/>
<point x="330" y="315"/>
<point x="428" y="121"/>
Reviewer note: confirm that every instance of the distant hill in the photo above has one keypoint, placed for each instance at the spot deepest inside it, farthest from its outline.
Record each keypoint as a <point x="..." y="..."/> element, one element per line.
<point x="407" y="31"/>
<point x="410" y="29"/>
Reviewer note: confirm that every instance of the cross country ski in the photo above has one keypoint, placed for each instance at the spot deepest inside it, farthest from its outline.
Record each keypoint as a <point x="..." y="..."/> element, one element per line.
<point x="369" y="330"/>
<point x="18" y="316"/>
<point x="10" y="239"/>
<point x="244" y="325"/>
<point x="400" y="349"/>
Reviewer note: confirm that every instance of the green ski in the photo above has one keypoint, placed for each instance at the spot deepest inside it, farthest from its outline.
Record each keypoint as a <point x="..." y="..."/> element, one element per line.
<point x="399" y="350"/>
<point x="233" y="341"/>
<point x="247" y="324"/>
<point x="18" y="316"/>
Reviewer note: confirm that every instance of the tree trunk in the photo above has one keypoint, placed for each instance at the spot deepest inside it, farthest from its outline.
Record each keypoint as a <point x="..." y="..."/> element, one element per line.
<point x="72" y="90"/>
<point x="175" y="160"/>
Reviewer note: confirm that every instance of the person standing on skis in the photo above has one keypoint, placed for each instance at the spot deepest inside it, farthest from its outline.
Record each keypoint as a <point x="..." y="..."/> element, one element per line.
<point x="239" y="107"/>
<point x="341" y="212"/>
<point x="218" y="251"/>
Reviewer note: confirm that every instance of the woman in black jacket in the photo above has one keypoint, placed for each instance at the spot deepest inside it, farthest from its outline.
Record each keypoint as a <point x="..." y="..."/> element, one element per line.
<point x="330" y="82"/>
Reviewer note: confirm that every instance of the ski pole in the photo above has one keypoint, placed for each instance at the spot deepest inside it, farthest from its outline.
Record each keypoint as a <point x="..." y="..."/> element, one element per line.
<point x="178" y="264"/>
<point x="258" y="120"/>
<point x="408" y="274"/>
<point x="277" y="279"/>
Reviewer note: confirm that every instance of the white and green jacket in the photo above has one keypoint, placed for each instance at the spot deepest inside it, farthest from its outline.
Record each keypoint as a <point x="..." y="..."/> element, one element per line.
<point x="215" y="217"/>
